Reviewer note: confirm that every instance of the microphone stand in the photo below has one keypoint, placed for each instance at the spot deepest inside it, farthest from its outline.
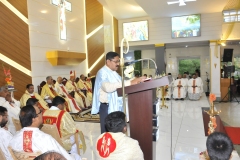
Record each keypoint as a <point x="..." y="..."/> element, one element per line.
<point x="122" y="70"/>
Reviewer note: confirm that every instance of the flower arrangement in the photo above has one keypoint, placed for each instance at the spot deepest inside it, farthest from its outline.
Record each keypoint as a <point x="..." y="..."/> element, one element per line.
<point x="8" y="79"/>
<point x="212" y="97"/>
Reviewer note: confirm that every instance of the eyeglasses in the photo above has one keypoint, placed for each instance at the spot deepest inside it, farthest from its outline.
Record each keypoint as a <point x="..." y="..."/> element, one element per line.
<point x="39" y="113"/>
<point x="116" y="61"/>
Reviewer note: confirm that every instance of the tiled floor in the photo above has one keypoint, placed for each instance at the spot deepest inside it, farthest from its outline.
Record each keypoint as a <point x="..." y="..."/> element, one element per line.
<point x="181" y="129"/>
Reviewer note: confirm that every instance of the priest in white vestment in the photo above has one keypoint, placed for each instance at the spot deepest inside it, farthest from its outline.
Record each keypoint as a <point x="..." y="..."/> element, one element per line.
<point x="200" y="79"/>
<point x="186" y="81"/>
<point x="82" y="85"/>
<point x="29" y="93"/>
<point x="31" y="139"/>
<point x="179" y="91"/>
<point x="6" y="136"/>
<point x="115" y="145"/>
<point x="81" y="99"/>
<point x="194" y="88"/>
<point x="62" y="90"/>
<point x="12" y="105"/>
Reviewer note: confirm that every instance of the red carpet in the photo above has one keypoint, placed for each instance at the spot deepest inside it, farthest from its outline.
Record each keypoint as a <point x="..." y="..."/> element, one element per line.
<point x="234" y="134"/>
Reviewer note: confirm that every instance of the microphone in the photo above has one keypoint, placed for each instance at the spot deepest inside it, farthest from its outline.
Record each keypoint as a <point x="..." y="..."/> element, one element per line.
<point x="130" y="63"/>
<point x="138" y="60"/>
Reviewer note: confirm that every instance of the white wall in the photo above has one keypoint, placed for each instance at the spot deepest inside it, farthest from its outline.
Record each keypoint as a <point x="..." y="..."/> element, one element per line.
<point x="160" y="29"/>
<point x="199" y="52"/>
<point x="108" y="31"/>
<point x="44" y="36"/>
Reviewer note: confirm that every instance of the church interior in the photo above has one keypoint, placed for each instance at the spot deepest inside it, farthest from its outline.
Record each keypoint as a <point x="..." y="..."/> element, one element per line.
<point x="40" y="38"/>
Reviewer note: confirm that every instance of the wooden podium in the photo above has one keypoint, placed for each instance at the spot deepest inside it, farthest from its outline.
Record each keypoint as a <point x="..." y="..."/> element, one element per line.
<point x="140" y="105"/>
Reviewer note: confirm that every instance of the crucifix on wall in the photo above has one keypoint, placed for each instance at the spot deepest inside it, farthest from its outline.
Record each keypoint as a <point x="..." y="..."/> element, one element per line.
<point x="63" y="5"/>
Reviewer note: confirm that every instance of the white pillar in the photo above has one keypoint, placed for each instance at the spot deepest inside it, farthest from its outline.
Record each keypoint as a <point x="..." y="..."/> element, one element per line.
<point x="215" y="68"/>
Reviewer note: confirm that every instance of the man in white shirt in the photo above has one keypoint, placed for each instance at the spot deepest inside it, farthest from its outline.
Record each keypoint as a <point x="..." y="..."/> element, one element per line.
<point x="179" y="91"/>
<point x="115" y="145"/>
<point x="12" y="105"/>
<point x="105" y="97"/>
<point x="6" y="136"/>
<point x="30" y="138"/>
<point x="194" y="90"/>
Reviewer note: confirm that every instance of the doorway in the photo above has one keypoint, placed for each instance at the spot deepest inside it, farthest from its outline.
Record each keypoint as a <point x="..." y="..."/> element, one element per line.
<point x="189" y="65"/>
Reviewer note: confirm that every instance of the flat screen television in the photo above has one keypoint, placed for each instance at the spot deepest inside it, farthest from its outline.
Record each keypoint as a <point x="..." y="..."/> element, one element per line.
<point x="186" y="26"/>
<point x="135" y="31"/>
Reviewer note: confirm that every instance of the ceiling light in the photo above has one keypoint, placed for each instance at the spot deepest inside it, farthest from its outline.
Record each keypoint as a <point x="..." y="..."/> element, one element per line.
<point x="186" y="46"/>
<point x="43" y="11"/>
<point x="223" y="44"/>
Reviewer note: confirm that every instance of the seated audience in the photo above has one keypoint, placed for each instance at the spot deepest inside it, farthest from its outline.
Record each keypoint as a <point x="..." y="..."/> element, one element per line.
<point x="50" y="156"/>
<point x="6" y="136"/>
<point x="65" y="124"/>
<point x="179" y="91"/>
<point x="12" y="105"/>
<point x="83" y="85"/>
<point x="194" y="88"/>
<point x="29" y="93"/>
<point x="219" y="147"/>
<point x="114" y="144"/>
<point x="30" y="138"/>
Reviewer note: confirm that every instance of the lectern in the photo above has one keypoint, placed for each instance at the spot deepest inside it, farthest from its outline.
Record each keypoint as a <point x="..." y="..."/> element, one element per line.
<point x="140" y="104"/>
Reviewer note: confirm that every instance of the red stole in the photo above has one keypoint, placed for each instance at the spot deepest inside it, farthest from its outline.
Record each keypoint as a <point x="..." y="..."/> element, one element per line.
<point x="27" y="141"/>
<point x="83" y="98"/>
<point x="56" y="120"/>
<point x="53" y="91"/>
<point x="179" y="91"/>
<point x="194" y="81"/>
<point x="73" y="101"/>
<point x="89" y="89"/>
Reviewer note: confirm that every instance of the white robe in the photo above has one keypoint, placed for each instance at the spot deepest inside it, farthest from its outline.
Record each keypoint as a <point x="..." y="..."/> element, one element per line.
<point x="13" y="112"/>
<point x="74" y="109"/>
<point x="5" y="138"/>
<point x="194" y="93"/>
<point x="41" y="142"/>
<point x="200" y="79"/>
<point x="126" y="148"/>
<point x="182" y="93"/>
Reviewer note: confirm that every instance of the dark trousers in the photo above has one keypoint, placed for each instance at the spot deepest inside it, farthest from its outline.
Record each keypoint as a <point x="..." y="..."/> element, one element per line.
<point x="103" y="112"/>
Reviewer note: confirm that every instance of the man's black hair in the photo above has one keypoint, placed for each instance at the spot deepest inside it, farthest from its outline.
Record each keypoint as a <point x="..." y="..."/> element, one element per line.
<point x="28" y="86"/>
<point x="58" y="100"/>
<point x="115" y="122"/>
<point x="219" y="146"/>
<point x="27" y="113"/>
<point x="31" y="101"/>
<point x="111" y="55"/>
<point x="2" y="110"/>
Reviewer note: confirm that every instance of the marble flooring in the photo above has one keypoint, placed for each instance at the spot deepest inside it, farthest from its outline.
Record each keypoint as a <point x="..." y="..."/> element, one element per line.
<point x="181" y="131"/>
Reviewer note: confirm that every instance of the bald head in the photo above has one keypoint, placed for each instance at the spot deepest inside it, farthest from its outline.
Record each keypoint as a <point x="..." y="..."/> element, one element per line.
<point x="59" y="80"/>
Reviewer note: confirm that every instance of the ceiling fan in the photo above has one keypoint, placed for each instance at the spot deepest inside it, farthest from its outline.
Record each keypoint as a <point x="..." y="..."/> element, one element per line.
<point x="181" y="2"/>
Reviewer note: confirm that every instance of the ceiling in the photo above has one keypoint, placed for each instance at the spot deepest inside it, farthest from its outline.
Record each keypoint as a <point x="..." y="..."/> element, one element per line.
<point x="123" y="9"/>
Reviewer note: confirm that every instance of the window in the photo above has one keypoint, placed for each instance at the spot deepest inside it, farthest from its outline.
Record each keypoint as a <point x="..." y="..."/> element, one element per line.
<point x="231" y="16"/>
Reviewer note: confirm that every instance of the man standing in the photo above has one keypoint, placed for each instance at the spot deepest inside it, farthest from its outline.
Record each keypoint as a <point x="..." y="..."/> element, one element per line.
<point x="65" y="124"/>
<point x="200" y="79"/>
<point x="62" y="90"/>
<point x="194" y="90"/>
<point x="105" y="97"/>
<point x="30" y="138"/>
<point x="29" y="93"/>
<point x="6" y="136"/>
<point x="82" y="84"/>
<point x="179" y="91"/>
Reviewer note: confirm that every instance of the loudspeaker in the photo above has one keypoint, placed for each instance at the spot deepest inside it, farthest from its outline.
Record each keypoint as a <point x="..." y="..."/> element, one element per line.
<point x="227" y="55"/>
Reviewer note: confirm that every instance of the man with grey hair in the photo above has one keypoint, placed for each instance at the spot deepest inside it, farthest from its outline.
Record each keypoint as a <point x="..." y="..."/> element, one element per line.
<point x="12" y="105"/>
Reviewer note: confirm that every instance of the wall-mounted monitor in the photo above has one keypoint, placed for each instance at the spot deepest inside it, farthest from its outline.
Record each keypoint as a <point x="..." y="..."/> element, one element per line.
<point x="186" y="26"/>
<point x="135" y="31"/>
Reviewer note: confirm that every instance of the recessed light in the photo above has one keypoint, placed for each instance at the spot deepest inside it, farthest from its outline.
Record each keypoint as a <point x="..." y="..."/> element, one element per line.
<point x="186" y="46"/>
<point x="44" y="11"/>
